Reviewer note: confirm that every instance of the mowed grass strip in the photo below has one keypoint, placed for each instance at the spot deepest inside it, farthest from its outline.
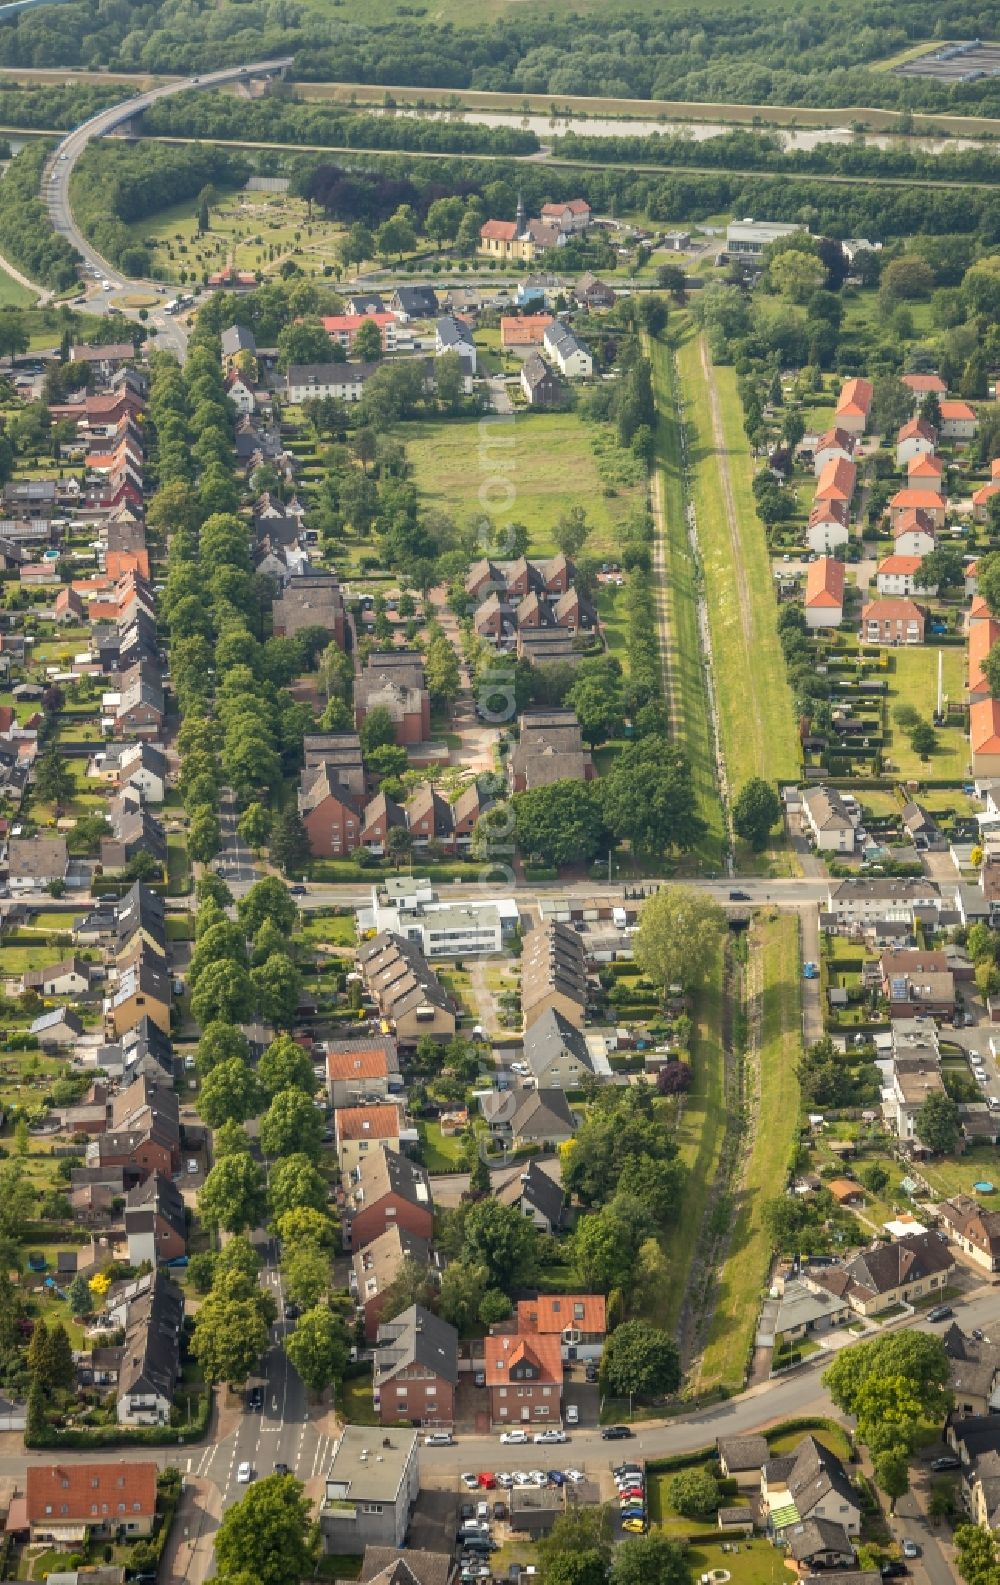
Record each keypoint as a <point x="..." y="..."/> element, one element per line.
<point x="743" y="1276"/>
<point x="549" y="467"/>
<point x="755" y="702"/>
<point x="688" y="679"/>
<point x="700" y="1135"/>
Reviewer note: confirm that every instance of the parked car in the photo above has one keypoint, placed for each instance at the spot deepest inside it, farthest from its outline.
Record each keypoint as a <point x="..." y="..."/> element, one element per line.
<point x="487" y="1482"/>
<point x="552" y="1435"/>
<point x="940" y="1312"/>
<point x="947" y="1461"/>
<point x="438" y="1439"/>
<point x="893" y="1568"/>
<point x="572" y="1415"/>
<point x="591" y="1372"/>
<point x="910" y="1548"/>
<point x="513" y="1438"/>
<point x="615" y="1433"/>
<point x="470" y="1482"/>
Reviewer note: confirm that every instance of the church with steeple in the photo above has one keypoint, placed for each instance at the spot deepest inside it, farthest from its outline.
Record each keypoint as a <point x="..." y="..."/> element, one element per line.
<point x="521" y="240"/>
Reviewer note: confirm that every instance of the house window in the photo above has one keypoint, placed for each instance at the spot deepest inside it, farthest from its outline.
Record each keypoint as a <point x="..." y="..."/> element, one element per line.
<point x="64" y="1507"/>
<point x="502" y="1391"/>
<point x="137" y="1507"/>
<point x="431" y="1392"/>
<point x="121" y="1507"/>
<point x="373" y="1507"/>
<point x="93" y="1507"/>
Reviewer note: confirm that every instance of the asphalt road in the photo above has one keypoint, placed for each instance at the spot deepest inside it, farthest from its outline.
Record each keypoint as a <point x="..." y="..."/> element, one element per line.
<point x="234" y="863"/>
<point x="55" y="193"/>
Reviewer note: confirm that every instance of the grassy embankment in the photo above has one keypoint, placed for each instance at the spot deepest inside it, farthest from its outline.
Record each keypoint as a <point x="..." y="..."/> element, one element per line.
<point x="775" y="1109"/>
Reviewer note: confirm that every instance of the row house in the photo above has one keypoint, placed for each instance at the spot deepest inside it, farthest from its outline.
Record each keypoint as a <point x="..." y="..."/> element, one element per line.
<point x="376" y="1267"/>
<point x="395" y="682"/>
<point x="549" y="748"/>
<point x="405" y="989"/>
<point x="415" y="1369"/>
<point x="385" y="1189"/>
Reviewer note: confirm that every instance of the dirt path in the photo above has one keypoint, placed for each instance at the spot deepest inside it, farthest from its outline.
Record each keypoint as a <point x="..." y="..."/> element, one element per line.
<point x="661" y="594"/>
<point x="722" y="453"/>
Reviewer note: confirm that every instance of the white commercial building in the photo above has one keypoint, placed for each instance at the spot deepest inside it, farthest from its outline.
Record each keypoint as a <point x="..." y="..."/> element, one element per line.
<point x="409" y="907"/>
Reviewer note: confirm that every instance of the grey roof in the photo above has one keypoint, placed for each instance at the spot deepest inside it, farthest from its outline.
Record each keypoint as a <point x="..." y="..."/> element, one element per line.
<point x="238" y="339"/>
<point x="383" y="1172"/>
<point x="454" y="334"/>
<point x="388" y="1567"/>
<point x="538" y="1188"/>
<point x="418" y="301"/>
<point x="560" y="338"/>
<point x="548" y="1038"/>
<point x="59" y="1017"/>
<point x="742" y="1452"/>
<point x="161" y="1197"/>
<point x="815" y="1473"/>
<point x="151" y="1355"/>
<point x="530" y="1113"/>
<point x="817" y="1535"/>
<point x="140" y="909"/>
<point x="37" y="858"/>
<point x="416" y="1337"/>
<point x="331" y="373"/>
<point x="910" y="1259"/>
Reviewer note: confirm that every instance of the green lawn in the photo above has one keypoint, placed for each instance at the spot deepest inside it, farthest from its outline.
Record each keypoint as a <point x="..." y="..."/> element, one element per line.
<point x="700" y="1135"/>
<point x="755" y="701"/>
<point x="532" y="471"/>
<point x="12" y="293"/>
<point x="913" y="681"/>
<point x="741" y="1281"/>
<point x="950" y="1177"/>
<point x="689" y="680"/>
<point x="255" y="231"/>
<point x="439" y="1152"/>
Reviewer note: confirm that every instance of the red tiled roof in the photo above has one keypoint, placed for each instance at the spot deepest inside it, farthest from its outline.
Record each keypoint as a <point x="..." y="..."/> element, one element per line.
<point x="837" y="480"/>
<point x="891" y="610"/>
<point x="917" y="429"/>
<point x="984" y="726"/>
<point x="855" y="397"/>
<point x="360" y="1062"/>
<point x="834" y="437"/>
<point x="526" y="331"/>
<point x="585" y="1312"/>
<point x="916" y="501"/>
<point x="498" y="231"/>
<point x="91" y="1492"/>
<point x="924" y="384"/>
<point x="508" y="1349"/>
<point x="956" y="410"/>
<point x="367" y="1122"/>
<point x="982" y="637"/>
<point x="926" y="464"/>
<point x="825" y="583"/>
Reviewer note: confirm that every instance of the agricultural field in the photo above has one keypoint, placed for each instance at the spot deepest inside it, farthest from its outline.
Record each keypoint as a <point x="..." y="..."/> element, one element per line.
<point x="252" y="231"/>
<point x="551" y="467"/>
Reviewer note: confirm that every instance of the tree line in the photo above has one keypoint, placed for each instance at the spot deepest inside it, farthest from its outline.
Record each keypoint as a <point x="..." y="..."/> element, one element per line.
<point x="27" y="236"/>
<point x="277" y="121"/>
<point x="764" y="151"/>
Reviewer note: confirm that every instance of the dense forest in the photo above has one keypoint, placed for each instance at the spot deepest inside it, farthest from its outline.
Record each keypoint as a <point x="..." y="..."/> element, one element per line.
<point x="58" y="105"/>
<point x="686" y="52"/>
<point x="273" y="120"/>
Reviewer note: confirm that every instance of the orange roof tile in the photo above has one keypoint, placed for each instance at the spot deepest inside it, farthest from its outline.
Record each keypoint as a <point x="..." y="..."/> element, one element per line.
<point x="978" y="611"/>
<point x="360" y="1062"/>
<point x="367" y="1122"/>
<point x="855" y="397"/>
<point x="553" y="1313"/>
<point x="825" y="584"/>
<point x="526" y="331"/>
<point x="916" y="501"/>
<point x="836" y="482"/>
<point x="900" y="566"/>
<point x="982" y="637"/>
<point x="126" y="1486"/>
<point x="917" y="429"/>
<point x="539" y="1351"/>
<point x="923" y="384"/>
<point x="925" y="466"/>
<point x="956" y="411"/>
<point x="984" y="726"/>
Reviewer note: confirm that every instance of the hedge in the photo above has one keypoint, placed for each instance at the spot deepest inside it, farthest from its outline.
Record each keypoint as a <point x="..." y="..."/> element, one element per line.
<point x="85" y="1436"/>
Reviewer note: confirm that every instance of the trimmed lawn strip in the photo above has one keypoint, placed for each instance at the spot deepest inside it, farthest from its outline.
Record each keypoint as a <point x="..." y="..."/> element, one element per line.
<point x="700" y="1135"/>
<point x="755" y="702"/>
<point x="743" y="1276"/>
<point x="687" y="674"/>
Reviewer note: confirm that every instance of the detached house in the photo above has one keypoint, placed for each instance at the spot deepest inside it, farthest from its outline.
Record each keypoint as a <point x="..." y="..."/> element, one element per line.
<point x="854" y="406"/>
<point x="557" y="1053"/>
<point x="358" y="1130"/>
<point x="913" y="1267"/>
<point x="958" y="421"/>
<point x="824" y="599"/>
<point x="918" y="438"/>
<point x="809" y="1484"/>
